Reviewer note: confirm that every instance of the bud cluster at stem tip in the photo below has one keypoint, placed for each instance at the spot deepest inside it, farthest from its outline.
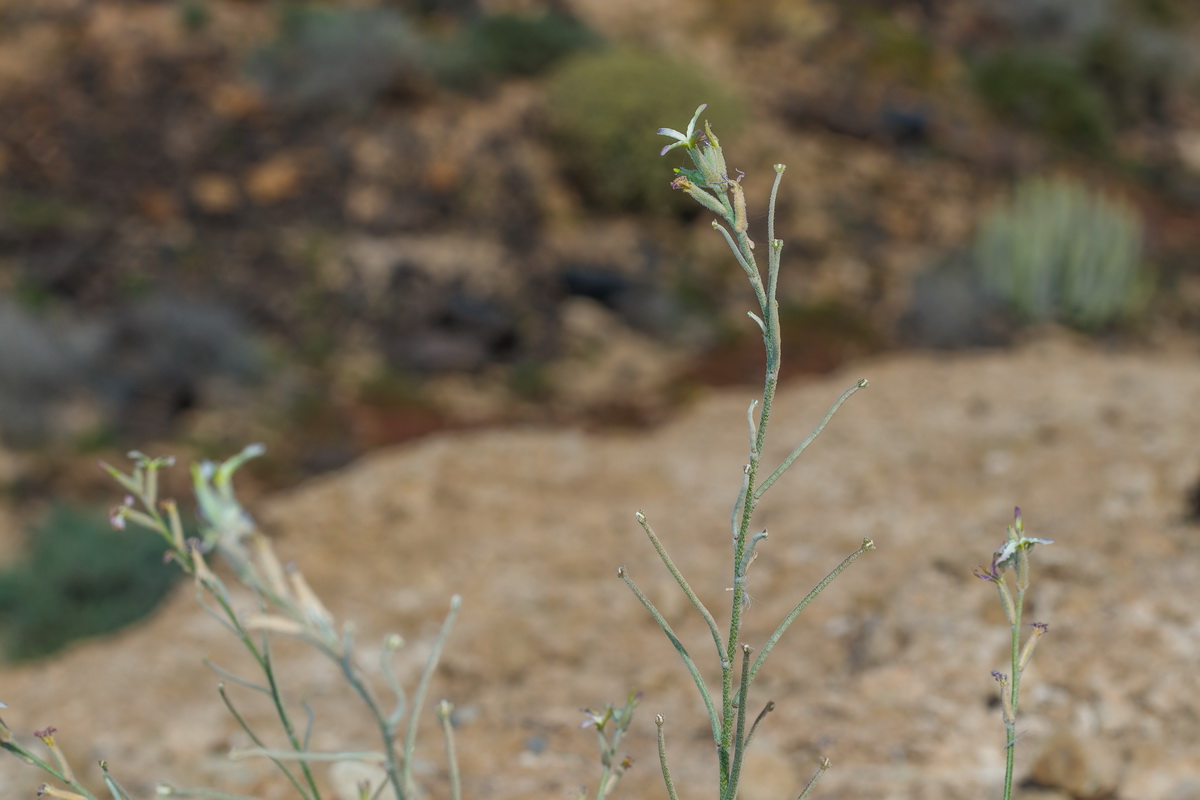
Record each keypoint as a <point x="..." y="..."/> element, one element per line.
<point x="709" y="183"/>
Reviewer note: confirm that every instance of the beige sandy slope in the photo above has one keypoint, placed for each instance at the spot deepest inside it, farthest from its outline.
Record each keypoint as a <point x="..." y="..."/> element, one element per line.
<point x="887" y="674"/>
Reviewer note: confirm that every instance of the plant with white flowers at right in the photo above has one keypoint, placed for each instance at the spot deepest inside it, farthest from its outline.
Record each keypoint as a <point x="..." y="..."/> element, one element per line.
<point x="1013" y="555"/>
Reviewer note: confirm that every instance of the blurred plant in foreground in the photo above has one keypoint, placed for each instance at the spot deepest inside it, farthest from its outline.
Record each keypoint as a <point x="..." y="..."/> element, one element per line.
<point x="286" y="606"/>
<point x="611" y="724"/>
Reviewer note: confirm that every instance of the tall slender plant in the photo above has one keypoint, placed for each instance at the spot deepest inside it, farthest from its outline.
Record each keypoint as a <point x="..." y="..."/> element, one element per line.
<point x="710" y="185"/>
<point x="1013" y="555"/>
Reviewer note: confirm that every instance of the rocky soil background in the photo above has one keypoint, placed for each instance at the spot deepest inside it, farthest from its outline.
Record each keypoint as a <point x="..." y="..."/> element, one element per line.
<point x="887" y="673"/>
<point x="335" y="228"/>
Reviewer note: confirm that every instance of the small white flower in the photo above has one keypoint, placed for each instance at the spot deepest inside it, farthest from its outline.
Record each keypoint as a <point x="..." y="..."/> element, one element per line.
<point x="1012" y="546"/>
<point x="688" y="139"/>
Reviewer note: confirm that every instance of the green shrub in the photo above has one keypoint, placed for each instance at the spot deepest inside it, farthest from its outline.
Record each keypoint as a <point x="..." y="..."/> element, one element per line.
<point x="80" y="578"/>
<point x="1046" y="92"/>
<point x="510" y="44"/>
<point x="501" y="45"/>
<point x="603" y="110"/>
<point x="1056" y="250"/>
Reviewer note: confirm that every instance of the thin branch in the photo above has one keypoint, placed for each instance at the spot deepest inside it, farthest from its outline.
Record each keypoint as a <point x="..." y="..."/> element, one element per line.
<point x="822" y="765"/>
<point x="623" y="574"/>
<point x="866" y="545"/>
<point x="241" y="721"/>
<point x="767" y="709"/>
<point x="683" y="584"/>
<point x="229" y="676"/>
<point x="787" y="462"/>
<point x="444" y="712"/>
<point x="750" y="269"/>
<point x="662" y="757"/>
<point x="410" y="736"/>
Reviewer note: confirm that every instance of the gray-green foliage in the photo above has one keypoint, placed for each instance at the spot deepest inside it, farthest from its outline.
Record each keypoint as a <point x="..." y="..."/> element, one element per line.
<point x="327" y="57"/>
<point x="1057" y="250"/>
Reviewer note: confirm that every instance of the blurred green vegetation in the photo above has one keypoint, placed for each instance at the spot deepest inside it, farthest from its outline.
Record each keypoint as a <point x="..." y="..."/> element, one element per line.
<point x="194" y="15"/>
<point x="899" y="52"/>
<point x="1080" y="83"/>
<point x="1058" y="250"/>
<point x="1163" y="12"/>
<point x="503" y="45"/>
<point x="1046" y="92"/>
<point x="1133" y="80"/>
<point x="328" y="57"/>
<point x="529" y="380"/>
<point x="604" y="111"/>
<point x="79" y="578"/>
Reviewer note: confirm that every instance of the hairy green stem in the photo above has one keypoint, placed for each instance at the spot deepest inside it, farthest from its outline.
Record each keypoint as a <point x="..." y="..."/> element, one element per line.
<point x="739" y="741"/>
<point x="1010" y="725"/>
<point x="662" y="758"/>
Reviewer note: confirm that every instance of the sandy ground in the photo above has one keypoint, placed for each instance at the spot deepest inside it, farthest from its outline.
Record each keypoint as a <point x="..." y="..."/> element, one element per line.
<point x="887" y="673"/>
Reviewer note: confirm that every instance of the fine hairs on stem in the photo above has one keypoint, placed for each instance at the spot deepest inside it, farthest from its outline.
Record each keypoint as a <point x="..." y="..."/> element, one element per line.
<point x="1013" y="555"/>
<point x="710" y="184"/>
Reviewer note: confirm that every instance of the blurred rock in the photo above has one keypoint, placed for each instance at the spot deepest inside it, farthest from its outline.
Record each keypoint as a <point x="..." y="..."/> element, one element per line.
<point x="1082" y="768"/>
<point x="949" y="308"/>
<point x="133" y="372"/>
<point x="235" y="100"/>
<point x="600" y="353"/>
<point x="215" y="194"/>
<point x="339" y="58"/>
<point x="157" y="205"/>
<point x="366" y="203"/>
<point x="274" y="180"/>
